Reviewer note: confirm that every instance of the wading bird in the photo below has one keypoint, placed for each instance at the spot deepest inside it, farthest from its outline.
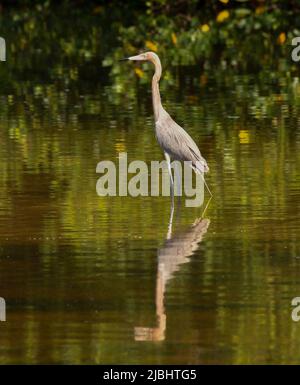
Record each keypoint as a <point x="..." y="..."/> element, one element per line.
<point x="173" y="139"/>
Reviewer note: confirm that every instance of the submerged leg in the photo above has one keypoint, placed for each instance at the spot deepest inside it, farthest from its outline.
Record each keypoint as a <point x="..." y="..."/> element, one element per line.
<point x="169" y="234"/>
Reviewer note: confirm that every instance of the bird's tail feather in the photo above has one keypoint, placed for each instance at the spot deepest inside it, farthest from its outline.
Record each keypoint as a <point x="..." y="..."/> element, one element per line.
<point x="201" y="166"/>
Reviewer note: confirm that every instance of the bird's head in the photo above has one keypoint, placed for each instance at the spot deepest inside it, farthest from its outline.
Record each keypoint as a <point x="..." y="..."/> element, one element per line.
<point x="146" y="56"/>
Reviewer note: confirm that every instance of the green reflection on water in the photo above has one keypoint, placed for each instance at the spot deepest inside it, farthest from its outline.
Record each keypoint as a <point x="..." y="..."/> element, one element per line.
<point x="82" y="275"/>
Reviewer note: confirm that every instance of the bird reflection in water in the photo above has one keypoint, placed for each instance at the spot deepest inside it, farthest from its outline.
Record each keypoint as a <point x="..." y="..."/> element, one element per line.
<point x="177" y="250"/>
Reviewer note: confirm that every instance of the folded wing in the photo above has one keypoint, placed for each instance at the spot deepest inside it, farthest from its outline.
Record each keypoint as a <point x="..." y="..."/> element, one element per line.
<point x="174" y="140"/>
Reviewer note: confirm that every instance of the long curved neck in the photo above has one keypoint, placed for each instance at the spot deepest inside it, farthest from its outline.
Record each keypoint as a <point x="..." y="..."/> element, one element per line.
<point x="157" y="106"/>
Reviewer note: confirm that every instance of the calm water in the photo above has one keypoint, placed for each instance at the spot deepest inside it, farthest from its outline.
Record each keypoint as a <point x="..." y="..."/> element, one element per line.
<point x="95" y="280"/>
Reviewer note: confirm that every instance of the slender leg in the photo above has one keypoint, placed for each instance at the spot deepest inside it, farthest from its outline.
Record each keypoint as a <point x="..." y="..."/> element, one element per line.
<point x="202" y="176"/>
<point x="167" y="156"/>
<point x="207" y="204"/>
<point x="178" y="177"/>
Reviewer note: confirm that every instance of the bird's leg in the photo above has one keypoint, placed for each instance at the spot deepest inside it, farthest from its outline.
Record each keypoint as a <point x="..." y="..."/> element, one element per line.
<point x="178" y="177"/>
<point x="202" y="176"/>
<point x="207" y="204"/>
<point x="167" y="156"/>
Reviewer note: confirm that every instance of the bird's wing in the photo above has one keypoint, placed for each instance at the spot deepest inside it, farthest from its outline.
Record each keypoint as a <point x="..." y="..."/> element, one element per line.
<point x="174" y="140"/>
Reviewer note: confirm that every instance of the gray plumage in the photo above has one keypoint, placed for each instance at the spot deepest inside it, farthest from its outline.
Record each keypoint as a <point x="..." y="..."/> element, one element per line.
<point x="173" y="139"/>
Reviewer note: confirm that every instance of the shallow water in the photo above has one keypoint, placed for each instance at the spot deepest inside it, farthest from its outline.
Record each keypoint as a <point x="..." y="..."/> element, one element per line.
<point x="91" y="279"/>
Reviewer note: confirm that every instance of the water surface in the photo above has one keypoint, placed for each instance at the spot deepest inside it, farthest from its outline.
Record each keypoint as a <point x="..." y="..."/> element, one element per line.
<point x="91" y="279"/>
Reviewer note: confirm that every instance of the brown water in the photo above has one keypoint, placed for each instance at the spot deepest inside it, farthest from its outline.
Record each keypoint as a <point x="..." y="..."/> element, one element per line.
<point x="91" y="279"/>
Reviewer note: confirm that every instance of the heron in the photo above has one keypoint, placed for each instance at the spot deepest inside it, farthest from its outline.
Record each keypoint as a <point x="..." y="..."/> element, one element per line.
<point x="175" y="142"/>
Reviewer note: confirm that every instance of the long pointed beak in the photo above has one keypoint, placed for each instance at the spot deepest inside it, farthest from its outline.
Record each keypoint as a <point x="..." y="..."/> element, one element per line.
<point x="137" y="57"/>
<point x="140" y="57"/>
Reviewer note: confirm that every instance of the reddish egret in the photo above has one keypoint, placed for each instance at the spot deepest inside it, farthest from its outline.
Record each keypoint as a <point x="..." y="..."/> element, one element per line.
<point x="173" y="139"/>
